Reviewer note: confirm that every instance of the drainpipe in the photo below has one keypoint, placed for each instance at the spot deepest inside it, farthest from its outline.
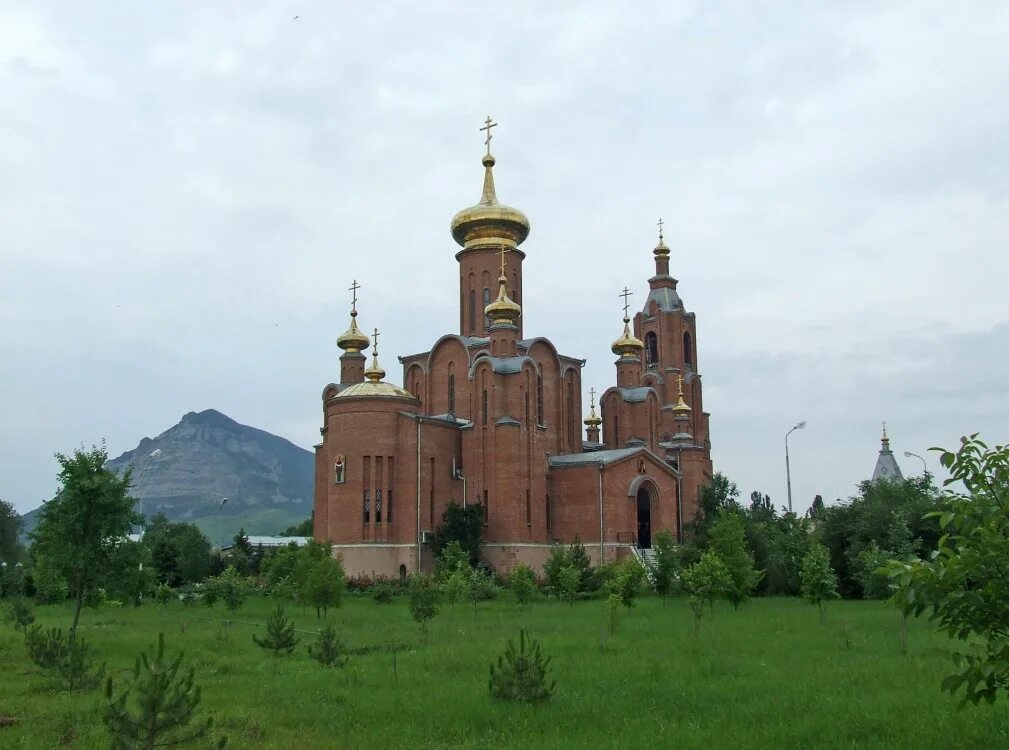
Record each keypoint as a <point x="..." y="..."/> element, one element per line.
<point x="419" y="535"/>
<point x="602" y="526"/>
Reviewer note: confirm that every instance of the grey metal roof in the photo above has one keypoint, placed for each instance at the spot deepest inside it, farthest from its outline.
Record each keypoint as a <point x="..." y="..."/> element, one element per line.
<point x="886" y="466"/>
<point x="507" y="420"/>
<point x="635" y="395"/>
<point x="505" y="365"/>
<point x="667" y="299"/>
<point x="595" y="457"/>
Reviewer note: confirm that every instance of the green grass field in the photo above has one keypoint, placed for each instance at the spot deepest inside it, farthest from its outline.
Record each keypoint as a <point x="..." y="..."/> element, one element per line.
<point x="767" y="676"/>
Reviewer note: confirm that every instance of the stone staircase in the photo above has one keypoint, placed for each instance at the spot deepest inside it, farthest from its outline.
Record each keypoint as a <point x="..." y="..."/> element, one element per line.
<point x="647" y="559"/>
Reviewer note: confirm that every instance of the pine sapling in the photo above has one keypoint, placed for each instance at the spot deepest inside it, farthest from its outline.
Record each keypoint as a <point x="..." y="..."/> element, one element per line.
<point x="77" y="667"/>
<point x="164" y="707"/>
<point x="19" y="613"/>
<point x="329" y="649"/>
<point x="521" y="674"/>
<point x="279" y="634"/>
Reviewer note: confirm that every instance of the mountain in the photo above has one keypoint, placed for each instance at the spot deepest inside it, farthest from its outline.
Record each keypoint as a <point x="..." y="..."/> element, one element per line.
<point x="186" y="471"/>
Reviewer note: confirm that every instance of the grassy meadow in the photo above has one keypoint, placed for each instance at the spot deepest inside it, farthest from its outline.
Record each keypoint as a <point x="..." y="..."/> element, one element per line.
<point x="767" y="676"/>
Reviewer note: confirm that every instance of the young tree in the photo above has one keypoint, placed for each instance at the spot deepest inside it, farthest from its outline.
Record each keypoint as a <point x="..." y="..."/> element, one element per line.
<point x="568" y="580"/>
<point x="521" y="673"/>
<point x="165" y="704"/>
<point x="578" y="558"/>
<point x="666" y="562"/>
<point x="717" y="495"/>
<point x="704" y="581"/>
<point x="965" y="584"/>
<point x="455" y="586"/>
<point x="19" y="613"/>
<point x="79" y="529"/>
<point x="329" y="650"/>
<point x="728" y="540"/>
<point x="423" y="593"/>
<point x="324" y="585"/>
<point x="279" y="638"/>
<point x="522" y="582"/>
<point x="452" y="559"/>
<point x="230" y="587"/>
<point x="555" y="562"/>
<point x="819" y="581"/>
<point x="462" y="525"/>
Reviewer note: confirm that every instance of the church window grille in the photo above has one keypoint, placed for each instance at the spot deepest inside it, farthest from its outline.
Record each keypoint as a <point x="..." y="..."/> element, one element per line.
<point x="539" y="400"/>
<point x="378" y="506"/>
<point x="483" y="407"/>
<point x="651" y="350"/>
<point x="451" y="394"/>
<point x="367" y="506"/>
<point x="688" y="350"/>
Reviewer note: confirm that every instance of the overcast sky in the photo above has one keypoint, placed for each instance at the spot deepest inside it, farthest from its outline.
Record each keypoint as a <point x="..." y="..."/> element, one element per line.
<point x="187" y="189"/>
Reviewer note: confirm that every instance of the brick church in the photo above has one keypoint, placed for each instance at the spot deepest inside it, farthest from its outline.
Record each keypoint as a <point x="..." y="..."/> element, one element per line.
<point x="492" y="414"/>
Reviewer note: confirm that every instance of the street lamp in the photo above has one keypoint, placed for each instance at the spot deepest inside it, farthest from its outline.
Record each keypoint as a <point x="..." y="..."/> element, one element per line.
<point x="924" y="466"/>
<point x="788" y="469"/>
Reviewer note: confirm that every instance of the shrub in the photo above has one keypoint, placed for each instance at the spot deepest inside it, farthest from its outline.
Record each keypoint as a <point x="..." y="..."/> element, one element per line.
<point x="452" y="558"/>
<point x="568" y="580"/>
<point x="455" y="587"/>
<point x="279" y="634"/>
<point x="666" y="563"/>
<point x="77" y="666"/>
<point x="329" y="650"/>
<point x="626" y="582"/>
<point x="556" y="561"/>
<point x="481" y="586"/>
<point x="578" y="558"/>
<point x="868" y="570"/>
<point x="521" y="674"/>
<point x="164" y="593"/>
<point x="19" y="613"/>
<point x="230" y="587"/>
<point x="50" y="586"/>
<point x="166" y="703"/>
<point x="522" y="582"/>
<point x="45" y="647"/>
<point x="704" y="581"/>
<point x="382" y="592"/>
<point x="728" y="541"/>
<point x="423" y="600"/>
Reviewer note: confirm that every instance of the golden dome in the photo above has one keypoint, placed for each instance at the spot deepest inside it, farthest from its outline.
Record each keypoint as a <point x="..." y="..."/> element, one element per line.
<point x="373" y="385"/>
<point x="627" y="345"/>
<point x="661" y="248"/>
<point x="592" y="420"/>
<point x="489" y="222"/>
<point x="681" y="410"/>
<point x="503" y="310"/>
<point x="353" y="340"/>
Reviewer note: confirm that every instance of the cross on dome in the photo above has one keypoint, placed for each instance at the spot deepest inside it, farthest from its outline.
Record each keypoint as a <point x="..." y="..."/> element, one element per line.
<point x="626" y="294"/>
<point x="487" y="126"/>
<point x="353" y="303"/>
<point x="660" y="223"/>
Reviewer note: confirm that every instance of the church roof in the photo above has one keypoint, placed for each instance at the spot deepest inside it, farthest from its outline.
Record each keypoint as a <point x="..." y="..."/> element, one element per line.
<point x="886" y="464"/>
<point x="506" y="365"/>
<point x="666" y="298"/>
<point x="635" y="395"/>
<point x="595" y="457"/>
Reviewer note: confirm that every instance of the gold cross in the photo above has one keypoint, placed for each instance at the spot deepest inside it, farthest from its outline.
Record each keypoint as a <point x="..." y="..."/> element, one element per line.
<point x="487" y="126"/>
<point x="660" y="228"/>
<point x="592" y="395"/>
<point x="679" y="382"/>
<point x="502" y="252"/>
<point x="353" y="288"/>
<point x="375" y="336"/>
<point x="625" y="294"/>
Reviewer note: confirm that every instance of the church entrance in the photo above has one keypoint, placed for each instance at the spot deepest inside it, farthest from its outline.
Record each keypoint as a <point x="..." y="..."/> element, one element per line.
<point x="644" y="518"/>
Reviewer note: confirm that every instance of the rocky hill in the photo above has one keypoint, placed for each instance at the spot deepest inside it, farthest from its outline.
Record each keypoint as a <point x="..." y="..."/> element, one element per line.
<point x="186" y="471"/>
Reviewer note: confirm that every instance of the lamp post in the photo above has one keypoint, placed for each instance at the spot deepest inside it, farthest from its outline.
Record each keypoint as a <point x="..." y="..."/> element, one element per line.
<point x="220" y="532"/>
<point x="924" y="466"/>
<point x="788" y="468"/>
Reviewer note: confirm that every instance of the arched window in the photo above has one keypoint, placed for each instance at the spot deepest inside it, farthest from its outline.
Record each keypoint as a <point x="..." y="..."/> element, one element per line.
<point x="651" y="350"/>
<point x="486" y="301"/>
<point x="451" y="394"/>
<point x="472" y="311"/>
<point x="539" y="400"/>
<point x="688" y="350"/>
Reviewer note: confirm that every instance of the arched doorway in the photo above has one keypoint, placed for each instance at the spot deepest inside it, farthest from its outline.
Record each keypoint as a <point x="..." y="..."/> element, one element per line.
<point x="644" y="503"/>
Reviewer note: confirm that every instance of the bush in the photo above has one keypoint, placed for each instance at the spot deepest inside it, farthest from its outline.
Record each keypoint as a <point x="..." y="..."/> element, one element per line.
<point x="521" y="674"/>
<point x="164" y="593"/>
<point x="556" y="561"/>
<point x="481" y="586"/>
<point x="666" y="563"/>
<point x="45" y="647"/>
<point x="77" y="666"/>
<point x="453" y="558"/>
<point x="19" y="613"/>
<point x="819" y="582"/>
<point x="568" y="580"/>
<point x="522" y="582"/>
<point x="423" y="600"/>
<point x="229" y="587"/>
<point x="50" y="586"/>
<point x="329" y="650"/>
<point x="323" y="584"/>
<point x="704" y="581"/>
<point x="626" y="582"/>
<point x="166" y="702"/>
<point x="874" y="582"/>
<point x="382" y="592"/>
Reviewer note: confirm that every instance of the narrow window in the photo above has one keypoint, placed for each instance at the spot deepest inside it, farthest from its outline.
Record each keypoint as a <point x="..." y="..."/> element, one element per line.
<point x="367" y="489"/>
<point x="367" y="506"/>
<point x="616" y="433"/>
<point x="451" y="394"/>
<point x="527" y="408"/>
<point x="483" y="407"/>
<point x="388" y="506"/>
<point x="486" y="301"/>
<point x="472" y="311"/>
<point x="529" y="508"/>
<point x="688" y="350"/>
<point x="539" y="400"/>
<point x="388" y="489"/>
<point x="378" y="506"/>
<point x="651" y="350"/>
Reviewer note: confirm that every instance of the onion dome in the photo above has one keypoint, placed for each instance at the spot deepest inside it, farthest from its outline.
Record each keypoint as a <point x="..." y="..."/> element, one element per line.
<point x="681" y="410"/>
<point x="489" y="222"/>
<point x="503" y="310"/>
<point x="373" y="384"/>
<point x="627" y="345"/>
<point x="661" y="250"/>
<point x="593" y="420"/>
<point x="352" y="340"/>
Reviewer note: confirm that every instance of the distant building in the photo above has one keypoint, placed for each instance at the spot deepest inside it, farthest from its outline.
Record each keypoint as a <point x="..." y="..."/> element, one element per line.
<point x="271" y="542"/>
<point x="886" y="464"/>
<point x="490" y="415"/>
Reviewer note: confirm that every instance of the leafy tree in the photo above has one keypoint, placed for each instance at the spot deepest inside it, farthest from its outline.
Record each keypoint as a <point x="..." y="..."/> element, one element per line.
<point x="329" y="650"/>
<point x="456" y="585"/>
<point x="521" y="673"/>
<point x="819" y="582"/>
<point x="578" y="558"/>
<point x="872" y="577"/>
<point x="965" y="584"/>
<point x="79" y="529"/>
<point x="522" y="582"/>
<point x="324" y="584"/>
<point x="424" y="597"/>
<point x="463" y="525"/>
<point x="19" y="613"/>
<point x="279" y="638"/>
<point x="164" y="707"/>
<point x="280" y="571"/>
<point x="625" y="583"/>
<point x="452" y="558"/>
<point x="568" y="580"/>
<point x="130" y="575"/>
<point x="480" y="588"/>
<point x="180" y="552"/>
<point x="50" y="585"/>
<point x="230" y="587"/>
<point x="728" y="540"/>
<point x="666" y="562"/>
<point x="704" y="581"/>
<point x="718" y="495"/>
<point x="10" y="532"/>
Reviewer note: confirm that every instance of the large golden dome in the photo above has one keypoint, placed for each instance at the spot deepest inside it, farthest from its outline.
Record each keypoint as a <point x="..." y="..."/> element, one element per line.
<point x="489" y="222"/>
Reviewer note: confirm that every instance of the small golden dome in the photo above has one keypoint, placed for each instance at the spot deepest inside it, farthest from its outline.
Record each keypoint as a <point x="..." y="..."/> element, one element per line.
<point x="661" y="248"/>
<point x="681" y="410"/>
<point x="627" y="345"/>
<point x="593" y="420"/>
<point x="374" y="386"/>
<point x="353" y="340"/>
<point x="503" y="310"/>
<point x="489" y="222"/>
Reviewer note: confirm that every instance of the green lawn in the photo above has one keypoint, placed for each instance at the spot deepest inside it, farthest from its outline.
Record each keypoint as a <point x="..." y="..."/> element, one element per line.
<point x="767" y="676"/>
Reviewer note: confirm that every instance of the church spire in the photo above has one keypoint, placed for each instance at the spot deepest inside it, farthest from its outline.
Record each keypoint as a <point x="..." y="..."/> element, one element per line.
<point x="592" y="421"/>
<point x="374" y="373"/>
<point x="661" y="253"/>
<point x="886" y="464"/>
<point x="352" y="341"/>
